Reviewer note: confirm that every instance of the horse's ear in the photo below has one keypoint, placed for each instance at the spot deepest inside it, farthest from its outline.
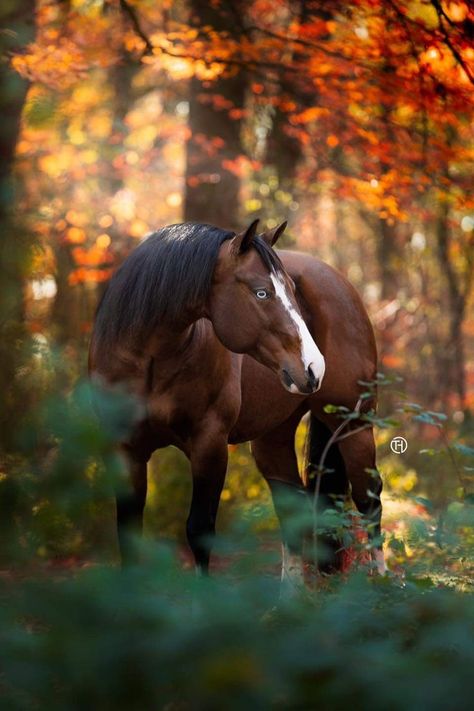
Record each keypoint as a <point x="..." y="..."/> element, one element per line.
<point x="242" y="241"/>
<point x="271" y="236"/>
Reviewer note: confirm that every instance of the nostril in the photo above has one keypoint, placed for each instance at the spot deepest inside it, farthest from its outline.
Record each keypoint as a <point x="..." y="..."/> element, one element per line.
<point x="312" y="378"/>
<point x="287" y="379"/>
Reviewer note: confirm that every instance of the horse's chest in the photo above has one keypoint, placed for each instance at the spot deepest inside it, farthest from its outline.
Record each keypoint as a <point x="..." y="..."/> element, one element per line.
<point x="265" y="404"/>
<point x="169" y="412"/>
<point x="183" y="408"/>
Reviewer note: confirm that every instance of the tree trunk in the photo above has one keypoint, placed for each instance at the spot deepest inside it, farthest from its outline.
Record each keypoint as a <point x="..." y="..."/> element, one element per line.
<point x="65" y="307"/>
<point x="212" y="181"/>
<point x="387" y="245"/>
<point x="457" y="307"/>
<point x="284" y="150"/>
<point x="387" y="255"/>
<point x="18" y="20"/>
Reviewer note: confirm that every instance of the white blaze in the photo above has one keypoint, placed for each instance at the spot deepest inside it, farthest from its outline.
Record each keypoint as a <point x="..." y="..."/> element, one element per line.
<point x="310" y="353"/>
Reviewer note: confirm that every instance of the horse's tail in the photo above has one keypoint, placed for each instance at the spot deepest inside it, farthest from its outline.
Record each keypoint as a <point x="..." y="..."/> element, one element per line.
<point x="333" y="487"/>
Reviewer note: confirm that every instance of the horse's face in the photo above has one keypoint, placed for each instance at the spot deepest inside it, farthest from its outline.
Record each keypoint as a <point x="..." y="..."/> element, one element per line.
<point x="254" y="311"/>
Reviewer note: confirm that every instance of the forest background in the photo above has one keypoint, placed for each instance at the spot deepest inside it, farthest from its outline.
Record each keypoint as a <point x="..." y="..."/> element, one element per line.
<point x="351" y="120"/>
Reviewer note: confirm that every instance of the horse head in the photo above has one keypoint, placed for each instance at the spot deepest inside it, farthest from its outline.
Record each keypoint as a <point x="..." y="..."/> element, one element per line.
<point x="253" y="308"/>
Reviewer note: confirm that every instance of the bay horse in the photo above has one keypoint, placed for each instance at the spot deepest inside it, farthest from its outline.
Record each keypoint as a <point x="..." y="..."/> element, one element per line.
<point x="224" y="340"/>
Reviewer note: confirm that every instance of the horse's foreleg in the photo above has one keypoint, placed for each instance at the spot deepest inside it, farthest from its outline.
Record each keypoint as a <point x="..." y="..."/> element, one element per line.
<point x="130" y="500"/>
<point x="276" y="459"/>
<point x="209" y="466"/>
<point x="358" y="452"/>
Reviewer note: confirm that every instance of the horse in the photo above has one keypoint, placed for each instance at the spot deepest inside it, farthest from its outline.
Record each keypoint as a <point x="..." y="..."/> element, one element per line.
<point x="225" y="340"/>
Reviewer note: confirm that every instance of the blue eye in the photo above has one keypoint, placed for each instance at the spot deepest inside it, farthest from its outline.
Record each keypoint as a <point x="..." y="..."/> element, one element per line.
<point x="262" y="294"/>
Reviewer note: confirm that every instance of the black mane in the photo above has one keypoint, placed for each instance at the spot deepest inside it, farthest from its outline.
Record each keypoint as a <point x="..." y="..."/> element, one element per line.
<point x="168" y="273"/>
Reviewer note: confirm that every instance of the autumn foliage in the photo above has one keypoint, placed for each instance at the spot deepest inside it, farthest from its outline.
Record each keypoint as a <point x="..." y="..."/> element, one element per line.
<point x="354" y="119"/>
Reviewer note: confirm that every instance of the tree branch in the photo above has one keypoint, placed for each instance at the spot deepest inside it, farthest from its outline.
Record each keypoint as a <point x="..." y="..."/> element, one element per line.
<point x="454" y="51"/>
<point x="132" y="16"/>
<point x="442" y="17"/>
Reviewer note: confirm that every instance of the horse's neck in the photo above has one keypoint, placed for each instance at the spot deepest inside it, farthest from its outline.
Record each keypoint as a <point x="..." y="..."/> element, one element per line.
<point x="170" y="343"/>
<point x="196" y="343"/>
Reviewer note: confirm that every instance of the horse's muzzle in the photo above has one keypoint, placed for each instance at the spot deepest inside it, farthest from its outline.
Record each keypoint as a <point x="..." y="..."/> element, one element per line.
<point x="304" y="386"/>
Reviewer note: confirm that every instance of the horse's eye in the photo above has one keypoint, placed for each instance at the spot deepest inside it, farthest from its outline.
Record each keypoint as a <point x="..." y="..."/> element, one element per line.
<point x="262" y="294"/>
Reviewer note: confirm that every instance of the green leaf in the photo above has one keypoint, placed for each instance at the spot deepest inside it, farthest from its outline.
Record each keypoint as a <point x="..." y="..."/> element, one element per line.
<point x="427" y="419"/>
<point x="331" y="409"/>
<point x="464" y="449"/>
<point x="438" y="415"/>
